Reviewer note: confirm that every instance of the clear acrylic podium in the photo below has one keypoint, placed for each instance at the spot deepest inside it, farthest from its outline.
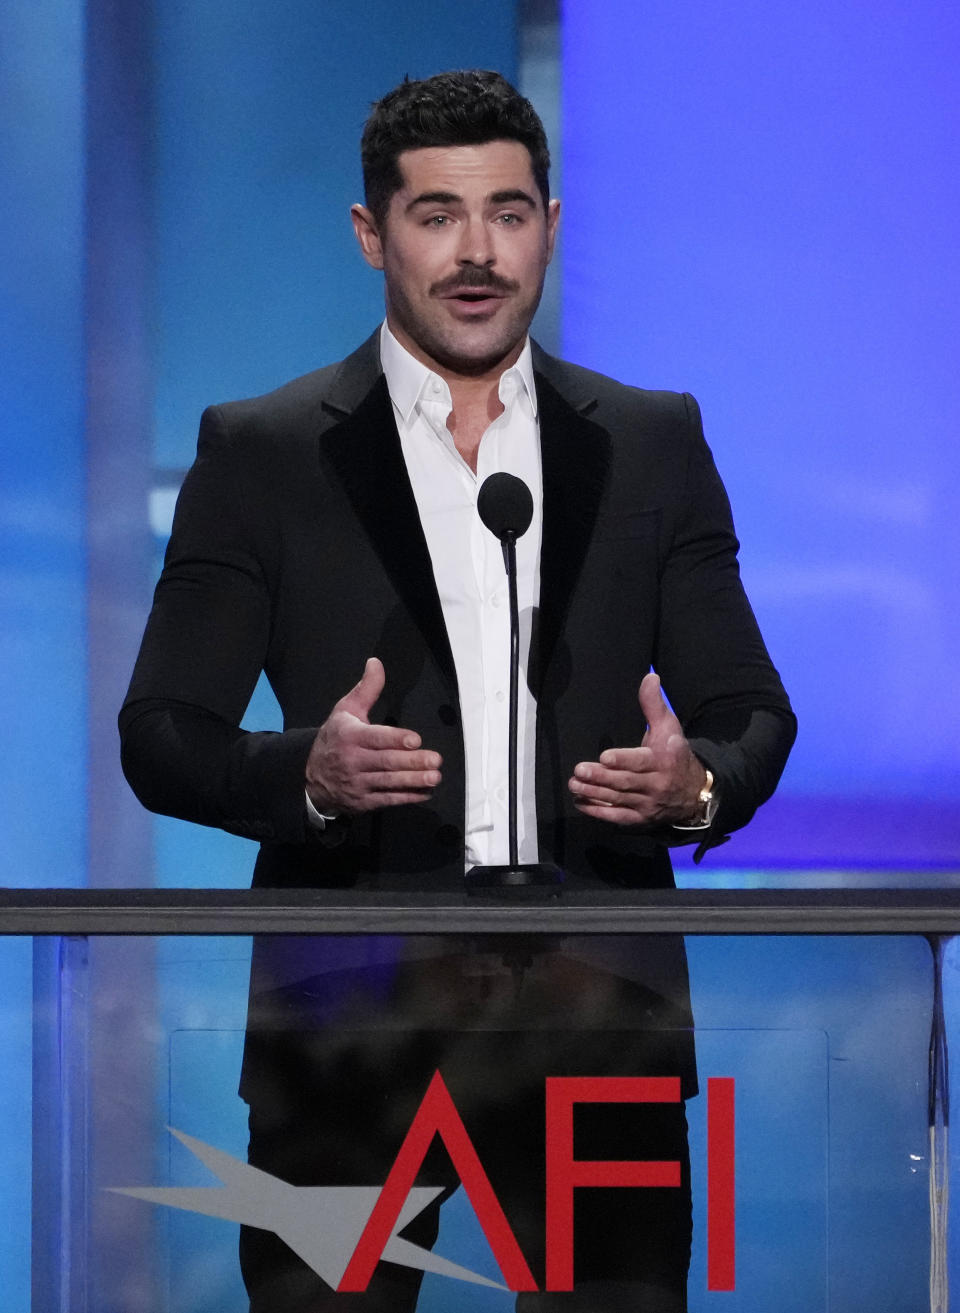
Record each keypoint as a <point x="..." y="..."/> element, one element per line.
<point x="819" y="1160"/>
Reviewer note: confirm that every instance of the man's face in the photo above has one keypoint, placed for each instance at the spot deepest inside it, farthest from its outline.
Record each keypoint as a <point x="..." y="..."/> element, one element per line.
<point x="464" y="250"/>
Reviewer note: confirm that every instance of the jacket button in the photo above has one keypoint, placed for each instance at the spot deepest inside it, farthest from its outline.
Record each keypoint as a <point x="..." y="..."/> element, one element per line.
<point x="447" y="714"/>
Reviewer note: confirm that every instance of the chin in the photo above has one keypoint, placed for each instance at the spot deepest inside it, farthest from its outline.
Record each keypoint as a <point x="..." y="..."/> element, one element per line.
<point x="479" y="361"/>
<point x="477" y="355"/>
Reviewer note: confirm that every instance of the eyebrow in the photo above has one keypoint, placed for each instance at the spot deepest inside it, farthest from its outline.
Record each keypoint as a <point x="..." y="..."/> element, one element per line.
<point x="434" y="198"/>
<point x="511" y="196"/>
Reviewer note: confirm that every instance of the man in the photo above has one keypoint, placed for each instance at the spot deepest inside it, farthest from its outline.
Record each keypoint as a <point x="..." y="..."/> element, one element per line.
<point x="329" y="530"/>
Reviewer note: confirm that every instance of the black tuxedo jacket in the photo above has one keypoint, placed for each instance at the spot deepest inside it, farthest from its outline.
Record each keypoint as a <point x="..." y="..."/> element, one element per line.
<point x="297" y="549"/>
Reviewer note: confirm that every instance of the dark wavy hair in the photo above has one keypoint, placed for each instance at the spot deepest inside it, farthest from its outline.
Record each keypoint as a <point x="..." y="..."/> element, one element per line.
<point x="464" y="108"/>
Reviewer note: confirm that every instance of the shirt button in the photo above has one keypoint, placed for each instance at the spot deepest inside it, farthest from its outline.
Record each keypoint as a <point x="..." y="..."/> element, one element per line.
<point x="500" y="695"/>
<point x="495" y="600"/>
<point x="501" y="794"/>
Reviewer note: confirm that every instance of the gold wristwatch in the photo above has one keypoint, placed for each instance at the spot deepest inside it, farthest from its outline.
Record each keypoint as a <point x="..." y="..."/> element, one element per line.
<point x="707" y="803"/>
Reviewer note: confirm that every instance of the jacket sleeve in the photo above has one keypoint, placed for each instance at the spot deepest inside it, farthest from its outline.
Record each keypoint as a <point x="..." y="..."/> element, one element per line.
<point x="182" y="749"/>
<point x="713" y="662"/>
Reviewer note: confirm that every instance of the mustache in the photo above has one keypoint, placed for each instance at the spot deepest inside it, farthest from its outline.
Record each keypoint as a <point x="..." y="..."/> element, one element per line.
<point x="474" y="279"/>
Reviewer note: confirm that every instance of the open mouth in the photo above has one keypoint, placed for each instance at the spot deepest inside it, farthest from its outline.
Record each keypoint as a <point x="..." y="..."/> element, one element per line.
<point x="471" y="297"/>
<point x="474" y="299"/>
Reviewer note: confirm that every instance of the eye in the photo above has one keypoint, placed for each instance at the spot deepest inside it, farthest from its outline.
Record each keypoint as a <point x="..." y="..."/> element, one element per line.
<point x="510" y="219"/>
<point x="437" y="221"/>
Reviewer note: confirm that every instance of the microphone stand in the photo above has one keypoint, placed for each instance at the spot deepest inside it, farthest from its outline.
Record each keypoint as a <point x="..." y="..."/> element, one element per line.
<point x="519" y="878"/>
<point x="510" y="561"/>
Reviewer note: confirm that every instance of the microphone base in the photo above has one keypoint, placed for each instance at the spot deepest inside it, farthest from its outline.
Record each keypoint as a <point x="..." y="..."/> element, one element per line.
<point x="519" y="880"/>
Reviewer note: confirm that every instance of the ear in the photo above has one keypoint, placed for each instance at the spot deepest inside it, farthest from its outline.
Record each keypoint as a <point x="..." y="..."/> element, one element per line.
<point x="368" y="235"/>
<point x="553" y="222"/>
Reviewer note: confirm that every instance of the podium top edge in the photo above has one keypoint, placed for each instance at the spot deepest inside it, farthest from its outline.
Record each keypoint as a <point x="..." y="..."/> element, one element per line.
<point x="141" y="911"/>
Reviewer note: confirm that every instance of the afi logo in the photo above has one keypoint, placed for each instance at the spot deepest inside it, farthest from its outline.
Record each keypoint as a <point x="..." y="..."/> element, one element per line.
<point x="437" y="1115"/>
<point x="342" y="1232"/>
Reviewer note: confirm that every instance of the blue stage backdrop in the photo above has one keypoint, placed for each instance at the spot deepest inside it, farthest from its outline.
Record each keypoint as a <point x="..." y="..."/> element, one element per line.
<point x="761" y="204"/>
<point x="43" y="701"/>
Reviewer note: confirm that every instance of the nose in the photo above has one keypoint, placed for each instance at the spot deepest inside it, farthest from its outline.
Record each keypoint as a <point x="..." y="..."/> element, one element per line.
<point x="476" y="243"/>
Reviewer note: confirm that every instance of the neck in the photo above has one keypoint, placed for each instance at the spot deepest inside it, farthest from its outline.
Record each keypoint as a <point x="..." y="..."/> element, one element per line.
<point x="476" y="404"/>
<point x="475" y="394"/>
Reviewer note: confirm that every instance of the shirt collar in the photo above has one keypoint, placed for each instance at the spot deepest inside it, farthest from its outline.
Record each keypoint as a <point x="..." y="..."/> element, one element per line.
<point x="407" y="377"/>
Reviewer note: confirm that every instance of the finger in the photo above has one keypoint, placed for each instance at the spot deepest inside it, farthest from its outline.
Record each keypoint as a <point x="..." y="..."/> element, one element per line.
<point x="638" y="760"/>
<point x="360" y="792"/>
<point x="611" y="797"/>
<point x="652" y="703"/>
<point x="397" y="781"/>
<point x="636" y="777"/>
<point x="660" y="754"/>
<point x="613" y="815"/>
<point x="379" y="738"/>
<point x="385" y="760"/>
<point x="359" y="701"/>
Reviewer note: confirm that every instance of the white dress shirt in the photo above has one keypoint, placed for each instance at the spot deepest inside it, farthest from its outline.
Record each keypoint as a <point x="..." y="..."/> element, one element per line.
<point x="472" y="583"/>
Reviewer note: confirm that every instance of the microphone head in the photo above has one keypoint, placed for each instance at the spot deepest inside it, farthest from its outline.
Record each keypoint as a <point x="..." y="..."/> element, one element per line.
<point x="505" y="505"/>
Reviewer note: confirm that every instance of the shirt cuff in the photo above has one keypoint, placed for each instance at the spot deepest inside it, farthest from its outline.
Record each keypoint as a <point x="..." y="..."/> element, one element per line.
<point x="315" y="819"/>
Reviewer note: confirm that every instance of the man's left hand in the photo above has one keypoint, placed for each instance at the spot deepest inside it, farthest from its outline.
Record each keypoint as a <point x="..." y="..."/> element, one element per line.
<point x="656" y="784"/>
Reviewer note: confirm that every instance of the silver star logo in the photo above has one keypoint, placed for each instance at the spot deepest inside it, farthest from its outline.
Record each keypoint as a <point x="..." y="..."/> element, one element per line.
<point x="321" y="1224"/>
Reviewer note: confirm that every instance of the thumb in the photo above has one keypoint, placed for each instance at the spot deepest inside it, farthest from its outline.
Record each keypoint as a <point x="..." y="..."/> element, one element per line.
<point x="652" y="704"/>
<point x="359" y="701"/>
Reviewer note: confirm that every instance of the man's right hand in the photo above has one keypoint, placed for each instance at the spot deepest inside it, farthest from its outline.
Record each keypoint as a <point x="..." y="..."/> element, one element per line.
<point x="356" y="767"/>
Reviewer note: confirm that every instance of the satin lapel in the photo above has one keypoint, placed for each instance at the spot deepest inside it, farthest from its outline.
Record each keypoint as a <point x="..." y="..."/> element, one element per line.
<point x="363" y="450"/>
<point x="575" y="456"/>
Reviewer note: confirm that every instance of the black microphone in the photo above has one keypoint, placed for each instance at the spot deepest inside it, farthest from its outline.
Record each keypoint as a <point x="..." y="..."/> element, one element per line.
<point x="505" y="506"/>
